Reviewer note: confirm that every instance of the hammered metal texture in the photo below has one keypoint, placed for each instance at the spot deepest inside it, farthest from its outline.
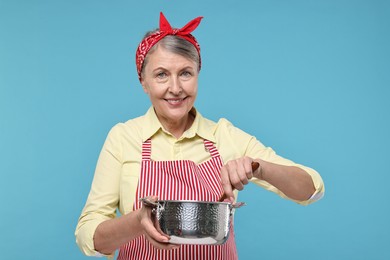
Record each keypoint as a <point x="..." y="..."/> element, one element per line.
<point x="195" y="220"/>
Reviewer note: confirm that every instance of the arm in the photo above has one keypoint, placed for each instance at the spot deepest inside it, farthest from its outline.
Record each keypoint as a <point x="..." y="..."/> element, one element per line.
<point x="103" y="198"/>
<point x="294" y="182"/>
<point x="111" y="234"/>
<point x="99" y="231"/>
<point x="279" y="175"/>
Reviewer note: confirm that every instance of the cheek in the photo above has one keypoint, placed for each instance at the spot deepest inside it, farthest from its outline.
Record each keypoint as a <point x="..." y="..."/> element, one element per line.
<point x="192" y="88"/>
<point x="150" y="88"/>
<point x="156" y="93"/>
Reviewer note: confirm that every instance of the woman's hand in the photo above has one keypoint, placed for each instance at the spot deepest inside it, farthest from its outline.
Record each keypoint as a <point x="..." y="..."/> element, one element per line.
<point x="112" y="234"/>
<point x="152" y="229"/>
<point x="235" y="174"/>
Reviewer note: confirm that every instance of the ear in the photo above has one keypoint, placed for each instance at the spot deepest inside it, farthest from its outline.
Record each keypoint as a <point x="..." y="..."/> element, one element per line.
<point x="144" y="86"/>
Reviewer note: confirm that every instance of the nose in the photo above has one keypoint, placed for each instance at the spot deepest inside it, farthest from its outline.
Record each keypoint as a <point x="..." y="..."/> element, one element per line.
<point x="175" y="86"/>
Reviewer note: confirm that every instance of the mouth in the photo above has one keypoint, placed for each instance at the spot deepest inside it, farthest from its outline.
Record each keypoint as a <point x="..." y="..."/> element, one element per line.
<point x="175" y="101"/>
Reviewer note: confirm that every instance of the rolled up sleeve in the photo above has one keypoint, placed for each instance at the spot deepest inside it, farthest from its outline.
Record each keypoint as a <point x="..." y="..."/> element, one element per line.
<point x="103" y="198"/>
<point x="85" y="232"/>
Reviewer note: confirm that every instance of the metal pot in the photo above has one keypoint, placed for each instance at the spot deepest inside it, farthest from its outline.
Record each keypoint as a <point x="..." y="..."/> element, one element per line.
<point x="193" y="222"/>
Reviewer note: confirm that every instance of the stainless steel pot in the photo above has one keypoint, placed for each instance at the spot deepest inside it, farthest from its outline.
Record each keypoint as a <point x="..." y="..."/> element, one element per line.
<point x="194" y="222"/>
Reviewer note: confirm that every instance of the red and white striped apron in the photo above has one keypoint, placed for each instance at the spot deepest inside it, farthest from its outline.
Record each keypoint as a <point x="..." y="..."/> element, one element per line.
<point x="179" y="180"/>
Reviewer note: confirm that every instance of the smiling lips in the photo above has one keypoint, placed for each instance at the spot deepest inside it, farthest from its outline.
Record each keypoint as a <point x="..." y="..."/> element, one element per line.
<point x="175" y="101"/>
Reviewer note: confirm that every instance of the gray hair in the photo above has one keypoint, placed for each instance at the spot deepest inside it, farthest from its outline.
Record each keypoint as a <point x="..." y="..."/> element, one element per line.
<point x="175" y="45"/>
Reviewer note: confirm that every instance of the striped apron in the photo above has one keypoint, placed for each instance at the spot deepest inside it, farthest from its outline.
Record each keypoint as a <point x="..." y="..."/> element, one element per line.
<point x="179" y="180"/>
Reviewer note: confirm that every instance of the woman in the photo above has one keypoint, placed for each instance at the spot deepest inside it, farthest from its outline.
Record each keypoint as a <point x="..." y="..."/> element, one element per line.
<point x="198" y="159"/>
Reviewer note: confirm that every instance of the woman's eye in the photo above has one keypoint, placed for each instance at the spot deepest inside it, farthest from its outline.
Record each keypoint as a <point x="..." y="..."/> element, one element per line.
<point x="186" y="74"/>
<point x="161" y="75"/>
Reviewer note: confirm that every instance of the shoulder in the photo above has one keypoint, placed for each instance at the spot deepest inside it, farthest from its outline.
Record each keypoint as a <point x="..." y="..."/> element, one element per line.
<point x="224" y="131"/>
<point x="226" y="127"/>
<point x="213" y="126"/>
<point x="128" y="130"/>
<point x="231" y="141"/>
<point x="124" y="137"/>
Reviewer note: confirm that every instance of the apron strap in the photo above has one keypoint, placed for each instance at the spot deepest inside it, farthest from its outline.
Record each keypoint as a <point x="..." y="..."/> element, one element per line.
<point x="147" y="149"/>
<point x="210" y="147"/>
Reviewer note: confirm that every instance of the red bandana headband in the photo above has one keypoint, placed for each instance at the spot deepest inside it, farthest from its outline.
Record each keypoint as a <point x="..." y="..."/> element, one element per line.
<point x="166" y="29"/>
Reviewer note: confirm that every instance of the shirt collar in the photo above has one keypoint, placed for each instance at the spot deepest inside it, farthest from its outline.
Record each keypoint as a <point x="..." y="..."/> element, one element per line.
<point x="201" y="126"/>
<point x="152" y="124"/>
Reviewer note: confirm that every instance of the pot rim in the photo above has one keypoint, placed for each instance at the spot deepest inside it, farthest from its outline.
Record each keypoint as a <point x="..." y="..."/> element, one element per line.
<point x="194" y="201"/>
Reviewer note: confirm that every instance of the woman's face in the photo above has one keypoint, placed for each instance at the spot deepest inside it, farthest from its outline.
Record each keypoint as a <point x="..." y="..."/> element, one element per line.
<point x="171" y="81"/>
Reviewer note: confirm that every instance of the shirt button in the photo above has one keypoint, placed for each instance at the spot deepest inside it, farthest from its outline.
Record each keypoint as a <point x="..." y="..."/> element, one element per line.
<point x="176" y="151"/>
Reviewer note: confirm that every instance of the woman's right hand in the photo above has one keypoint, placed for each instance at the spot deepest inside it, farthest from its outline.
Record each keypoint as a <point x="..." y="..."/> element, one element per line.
<point x="151" y="227"/>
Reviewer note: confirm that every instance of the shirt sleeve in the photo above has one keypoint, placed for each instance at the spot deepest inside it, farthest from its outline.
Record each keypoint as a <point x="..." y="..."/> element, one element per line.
<point x="103" y="198"/>
<point x="248" y="145"/>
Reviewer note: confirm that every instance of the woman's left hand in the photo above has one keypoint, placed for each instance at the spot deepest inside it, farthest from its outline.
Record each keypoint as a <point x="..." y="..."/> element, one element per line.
<point x="235" y="174"/>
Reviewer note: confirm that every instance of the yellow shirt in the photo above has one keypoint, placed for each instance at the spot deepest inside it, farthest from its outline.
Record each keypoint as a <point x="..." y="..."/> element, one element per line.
<point x="118" y="167"/>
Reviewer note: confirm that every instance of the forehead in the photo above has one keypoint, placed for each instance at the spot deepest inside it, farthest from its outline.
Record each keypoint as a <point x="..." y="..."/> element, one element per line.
<point x="161" y="57"/>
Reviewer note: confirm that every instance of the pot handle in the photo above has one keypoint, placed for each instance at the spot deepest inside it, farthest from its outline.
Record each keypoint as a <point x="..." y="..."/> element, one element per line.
<point x="238" y="205"/>
<point x="148" y="203"/>
<point x="234" y="206"/>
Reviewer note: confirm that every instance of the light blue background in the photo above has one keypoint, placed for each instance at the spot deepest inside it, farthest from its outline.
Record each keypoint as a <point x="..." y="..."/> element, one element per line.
<point x="309" y="78"/>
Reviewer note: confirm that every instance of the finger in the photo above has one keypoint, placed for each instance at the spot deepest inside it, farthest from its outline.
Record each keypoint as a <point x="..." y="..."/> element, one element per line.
<point x="153" y="233"/>
<point x="231" y="200"/>
<point x="164" y="246"/>
<point x="155" y="221"/>
<point x="152" y="198"/>
<point x="226" y="185"/>
<point x="241" y="172"/>
<point x="232" y="168"/>
<point x="158" y="228"/>
<point x="148" y="222"/>
<point x="235" y="179"/>
<point x="248" y="168"/>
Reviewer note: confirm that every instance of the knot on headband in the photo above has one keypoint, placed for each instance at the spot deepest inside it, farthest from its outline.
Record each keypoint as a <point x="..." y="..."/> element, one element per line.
<point x="164" y="30"/>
